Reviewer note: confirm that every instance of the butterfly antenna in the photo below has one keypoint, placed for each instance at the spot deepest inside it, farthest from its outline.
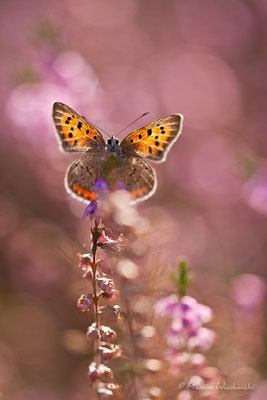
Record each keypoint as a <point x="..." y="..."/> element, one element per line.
<point x="141" y="116"/>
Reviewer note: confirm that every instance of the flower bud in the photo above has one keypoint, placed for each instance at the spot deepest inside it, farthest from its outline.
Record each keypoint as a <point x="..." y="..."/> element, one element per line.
<point x="109" y="350"/>
<point x="93" y="333"/>
<point x="107" y="390"/>
<point x="88" y="274"/>
<point x="101" y="372"/>
<point x="104" y="393"/>
<point x="84" y="261"/>
<point x="107" y="334"/>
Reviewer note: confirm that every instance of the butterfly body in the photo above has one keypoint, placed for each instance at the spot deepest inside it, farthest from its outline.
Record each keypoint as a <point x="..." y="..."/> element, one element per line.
<point x="114" y="161"/>
<point x="113" y="147"/>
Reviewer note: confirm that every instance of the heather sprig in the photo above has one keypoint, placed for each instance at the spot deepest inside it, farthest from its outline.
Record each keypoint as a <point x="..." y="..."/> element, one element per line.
<point x="108" y="239"/>
<point x="113" y="220"/>
<point x="186" y="333"/>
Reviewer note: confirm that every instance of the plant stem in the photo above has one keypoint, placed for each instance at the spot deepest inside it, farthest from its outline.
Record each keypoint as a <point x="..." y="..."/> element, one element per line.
<point x="95" y="293"/>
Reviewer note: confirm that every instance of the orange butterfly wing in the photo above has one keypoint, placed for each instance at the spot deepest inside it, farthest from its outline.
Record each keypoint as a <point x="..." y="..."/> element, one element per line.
<point x="74" y="132"/>
<point x="155" y="140"/>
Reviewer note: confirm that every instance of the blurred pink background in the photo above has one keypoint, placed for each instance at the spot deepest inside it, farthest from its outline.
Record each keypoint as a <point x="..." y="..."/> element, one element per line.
<point x="112" y="61"/>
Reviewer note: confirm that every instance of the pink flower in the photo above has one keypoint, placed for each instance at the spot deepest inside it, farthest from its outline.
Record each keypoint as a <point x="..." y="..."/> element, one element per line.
<point x="203" y="339"/>
<point x="85" y="302"/>
<point x="85" y="261"/>
<point x="108" y="287"/>
<point x="108" y="243"/>
<point x="166" y="305"/>
<point x="188" y="316"/>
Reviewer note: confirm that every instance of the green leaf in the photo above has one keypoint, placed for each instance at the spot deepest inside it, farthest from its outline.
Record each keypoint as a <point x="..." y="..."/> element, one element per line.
<point x="182" y="278"/>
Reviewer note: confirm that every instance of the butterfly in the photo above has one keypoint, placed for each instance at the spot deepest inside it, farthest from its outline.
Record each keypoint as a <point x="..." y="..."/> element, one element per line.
<point x="151" y="142"/>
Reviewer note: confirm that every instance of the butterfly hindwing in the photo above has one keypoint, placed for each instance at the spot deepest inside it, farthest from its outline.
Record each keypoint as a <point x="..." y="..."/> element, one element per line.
<point x="74" y="132"/>
<point x="138" y="177"/>
<point x="81" y="176"/>
<point x="155" y="140"/>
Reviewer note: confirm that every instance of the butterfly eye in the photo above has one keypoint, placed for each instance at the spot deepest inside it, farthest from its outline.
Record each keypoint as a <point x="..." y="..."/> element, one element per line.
<point x="109" y="141"/>
<point x="117" y="142"/>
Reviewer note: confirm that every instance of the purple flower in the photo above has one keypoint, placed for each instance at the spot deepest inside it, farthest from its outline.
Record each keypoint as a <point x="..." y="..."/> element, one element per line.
<point x="100" y="184"/>
<point x="188" y="316"/>
<point x="85" y="302"/>
<point x="93" y="333"/>
<point x="203" y="339"/>
<point x="108" y="287"/>
<point x="90" y="210"/>
<point x="187" y="303"/>
<point x="166" y="305"/>
<point x="93" y="208"/>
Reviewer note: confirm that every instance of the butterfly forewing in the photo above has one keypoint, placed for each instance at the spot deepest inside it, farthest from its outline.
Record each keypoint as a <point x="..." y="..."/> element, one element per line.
<point x="155" y="140"/>
<point x="74" y="132"/>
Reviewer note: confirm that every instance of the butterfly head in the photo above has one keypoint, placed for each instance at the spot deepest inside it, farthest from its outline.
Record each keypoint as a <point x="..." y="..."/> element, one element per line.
<point x="113" y="146"/>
